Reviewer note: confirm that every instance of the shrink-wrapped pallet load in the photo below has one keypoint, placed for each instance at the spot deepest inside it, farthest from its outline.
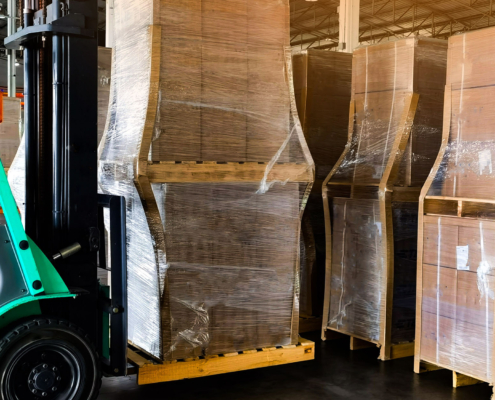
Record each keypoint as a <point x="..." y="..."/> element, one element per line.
<point x="456" y="259"/>
<point x="322" y="84"/>
<point x="371" y="195"/>
<point x="204" y="142"/>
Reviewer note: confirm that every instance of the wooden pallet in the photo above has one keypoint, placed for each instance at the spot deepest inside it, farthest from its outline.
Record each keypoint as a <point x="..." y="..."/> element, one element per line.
<point x="149" y="372"/>
<point x="458" y="379"/>
<point x="397" y="350"/>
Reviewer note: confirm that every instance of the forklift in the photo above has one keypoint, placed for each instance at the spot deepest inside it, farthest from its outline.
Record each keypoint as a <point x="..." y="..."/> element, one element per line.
<point x="60" y="329"/>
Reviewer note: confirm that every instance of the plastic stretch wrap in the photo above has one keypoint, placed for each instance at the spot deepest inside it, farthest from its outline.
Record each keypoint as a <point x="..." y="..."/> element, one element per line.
<point x="204" y="142"/>
<point x="17" y="176"/>
<point x="322" y="83"/>
<point x="372" y="194"/>
<point x="458" y="295"/>
<point x="459" y="240"/>
<point x="466" y="169"/>
<point x="9" y="130"/>
<point x="104" y="79"/>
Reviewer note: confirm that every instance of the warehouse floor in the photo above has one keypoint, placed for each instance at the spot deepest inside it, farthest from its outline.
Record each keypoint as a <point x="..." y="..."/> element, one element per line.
<point x="336" y="374"/>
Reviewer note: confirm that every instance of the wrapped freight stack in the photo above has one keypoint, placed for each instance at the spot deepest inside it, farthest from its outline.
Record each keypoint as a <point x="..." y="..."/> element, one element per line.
<point x="204" y="142"/>
<point x="322" y="84"/>
<point x="456" y="258"/>
<point x="371" y="196"/>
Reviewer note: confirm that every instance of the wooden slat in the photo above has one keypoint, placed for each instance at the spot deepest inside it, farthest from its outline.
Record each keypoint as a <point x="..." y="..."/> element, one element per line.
<point x="466" y="199"/>
<point x="440" y="207"/>
<point x="459" y="380"/>
<point x="230" y="172"/>
<point x="174" y="371"/>
<point x="404" y="195"/>
<point x="358" y="344"/>
<point x="388" y="179"/>
<point x="136" y="359"/>
<point x="427" y="367"/>
<point x="401" y="350"/>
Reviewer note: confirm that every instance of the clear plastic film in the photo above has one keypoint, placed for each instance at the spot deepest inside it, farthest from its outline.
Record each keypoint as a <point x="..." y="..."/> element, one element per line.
<point x="15" y="163"/>
<point x="17" y="175"/>
<point x="466" y="169"/>
<point x="322" y="83"/>
<point x="373" y="192"/>
<point x="104" y="80"/>
<point x="10" y="130"/>
<point x="458" y="295"/>
<point x="204" y="141"/>
<point x="459" y="231"/>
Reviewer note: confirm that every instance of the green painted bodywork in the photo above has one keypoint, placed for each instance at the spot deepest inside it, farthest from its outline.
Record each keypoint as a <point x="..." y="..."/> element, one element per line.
<point x="34" y="264"/>
<point x="105" y="325"/>
<point x="19" y="311"/>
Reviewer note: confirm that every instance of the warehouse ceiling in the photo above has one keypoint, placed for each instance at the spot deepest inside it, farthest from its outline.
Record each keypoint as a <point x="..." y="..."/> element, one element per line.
<point x="315" y="24"/>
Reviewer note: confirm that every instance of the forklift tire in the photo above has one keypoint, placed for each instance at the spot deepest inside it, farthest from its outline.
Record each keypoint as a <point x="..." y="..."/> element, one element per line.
<point x="44" y="358"/>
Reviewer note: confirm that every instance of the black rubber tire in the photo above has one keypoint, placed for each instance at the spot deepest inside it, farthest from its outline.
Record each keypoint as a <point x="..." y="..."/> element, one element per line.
<point x="56" y="340"/>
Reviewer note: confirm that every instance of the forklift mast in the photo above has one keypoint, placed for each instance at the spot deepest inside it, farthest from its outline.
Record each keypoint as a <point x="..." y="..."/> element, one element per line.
<point x="63" y="210"/>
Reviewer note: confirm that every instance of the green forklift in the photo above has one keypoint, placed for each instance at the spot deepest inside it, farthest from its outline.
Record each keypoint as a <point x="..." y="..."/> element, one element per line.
<point x="60" y="329"/>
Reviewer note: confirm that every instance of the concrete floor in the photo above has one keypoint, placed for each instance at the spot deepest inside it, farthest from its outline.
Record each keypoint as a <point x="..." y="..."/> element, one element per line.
<point x="336" y="374"/>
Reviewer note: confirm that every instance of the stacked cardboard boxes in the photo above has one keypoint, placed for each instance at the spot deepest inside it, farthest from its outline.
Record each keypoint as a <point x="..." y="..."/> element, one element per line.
<point x="223" y="98"/>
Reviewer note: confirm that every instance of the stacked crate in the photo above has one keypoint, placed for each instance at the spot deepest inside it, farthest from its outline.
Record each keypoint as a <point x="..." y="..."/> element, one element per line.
<point x="322" y="85"/>
<point x="456" y="283"/>
<point x="207" y="149"/>
<point x="371" y="195"/>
